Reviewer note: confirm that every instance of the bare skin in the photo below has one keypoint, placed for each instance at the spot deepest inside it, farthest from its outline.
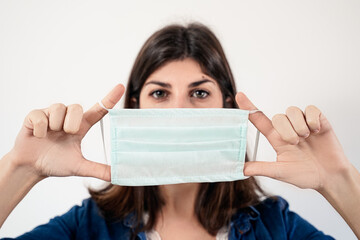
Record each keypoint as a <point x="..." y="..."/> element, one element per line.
<point x="309" y="154"/>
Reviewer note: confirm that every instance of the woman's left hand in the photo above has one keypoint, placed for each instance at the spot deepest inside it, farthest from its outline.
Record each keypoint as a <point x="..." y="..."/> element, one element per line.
<point x="308" y="151"/>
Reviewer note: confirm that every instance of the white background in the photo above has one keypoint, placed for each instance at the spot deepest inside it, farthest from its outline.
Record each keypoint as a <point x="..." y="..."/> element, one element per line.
<point x="282" y="53"/>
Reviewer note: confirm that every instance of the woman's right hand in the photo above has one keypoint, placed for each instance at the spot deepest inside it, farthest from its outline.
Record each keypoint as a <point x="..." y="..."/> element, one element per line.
<point x="49" y="142"/>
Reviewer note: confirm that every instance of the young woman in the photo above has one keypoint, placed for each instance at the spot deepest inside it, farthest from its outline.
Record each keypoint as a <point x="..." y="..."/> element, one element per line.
<point x="181" y="67"/>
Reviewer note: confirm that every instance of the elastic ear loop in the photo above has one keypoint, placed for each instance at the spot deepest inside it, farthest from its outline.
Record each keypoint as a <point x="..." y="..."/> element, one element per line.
<point x="103" y="137"/>
<point x="256" y="138"/>
<point x="102" y="132"/>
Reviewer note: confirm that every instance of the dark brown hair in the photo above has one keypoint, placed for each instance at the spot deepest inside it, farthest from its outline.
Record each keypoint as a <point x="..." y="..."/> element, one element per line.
<point x="216" y="202"/>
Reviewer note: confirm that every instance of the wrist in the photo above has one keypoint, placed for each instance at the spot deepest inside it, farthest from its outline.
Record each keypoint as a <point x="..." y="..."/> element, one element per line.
<point x="342" y="191"/>
<point x="13" y="165"/>
<point x="347" y="179"/>
<point x="15" y="182"/>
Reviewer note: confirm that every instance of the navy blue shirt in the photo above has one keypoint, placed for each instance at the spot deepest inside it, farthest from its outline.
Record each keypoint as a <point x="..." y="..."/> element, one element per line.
<point x="271" y="219"/>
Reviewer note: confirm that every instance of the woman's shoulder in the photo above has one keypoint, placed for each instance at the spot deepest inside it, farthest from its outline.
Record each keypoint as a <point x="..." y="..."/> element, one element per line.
<point x="272" y="218"/>
<point x="86" y="211"/>
<point x="268" y="207"/>
<point x="82" y="221"/>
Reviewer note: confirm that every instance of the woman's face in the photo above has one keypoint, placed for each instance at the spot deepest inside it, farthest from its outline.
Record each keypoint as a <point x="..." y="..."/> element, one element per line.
<point x="180" y="84"/>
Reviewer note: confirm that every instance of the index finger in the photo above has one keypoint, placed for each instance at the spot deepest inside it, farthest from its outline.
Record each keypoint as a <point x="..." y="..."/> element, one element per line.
<point x="96" y="112"/>
<point x="259" y="119"/>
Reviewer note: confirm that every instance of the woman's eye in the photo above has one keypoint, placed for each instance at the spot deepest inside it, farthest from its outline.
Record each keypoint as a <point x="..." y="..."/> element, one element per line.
<point x="159" y="94"/>
<point x="200" y="94"/>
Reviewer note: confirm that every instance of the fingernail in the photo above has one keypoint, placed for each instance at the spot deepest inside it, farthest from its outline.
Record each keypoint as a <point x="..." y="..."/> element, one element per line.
<point x="316" y="130"/>
<point x="306" y="135"/>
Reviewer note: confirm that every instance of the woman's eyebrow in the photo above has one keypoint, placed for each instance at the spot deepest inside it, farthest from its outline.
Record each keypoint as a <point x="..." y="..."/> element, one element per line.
<point x="162" y="84"/>
<point x="197" y="83"/>
<point x="167" y="85"/>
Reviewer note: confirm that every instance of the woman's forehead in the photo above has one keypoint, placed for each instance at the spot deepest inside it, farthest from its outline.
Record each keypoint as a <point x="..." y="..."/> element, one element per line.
<point x="179" y="72"/>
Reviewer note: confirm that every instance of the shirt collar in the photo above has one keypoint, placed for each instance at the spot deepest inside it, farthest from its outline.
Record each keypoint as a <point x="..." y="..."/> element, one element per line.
<point x="240" y="222"/>
<point x="130" y="220"/>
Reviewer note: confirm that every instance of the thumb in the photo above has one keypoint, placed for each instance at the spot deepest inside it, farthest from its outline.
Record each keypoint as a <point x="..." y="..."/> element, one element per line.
<point x="94" y="169"/>
<point x="244" y="102"/>
<point x="94" y="114"/>
<point x="258" y="168"/>
<point x="259" y="119"/>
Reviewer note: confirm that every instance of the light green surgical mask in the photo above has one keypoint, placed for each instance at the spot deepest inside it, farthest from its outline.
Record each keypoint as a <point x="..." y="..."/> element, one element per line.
<point x="177" y="145"/>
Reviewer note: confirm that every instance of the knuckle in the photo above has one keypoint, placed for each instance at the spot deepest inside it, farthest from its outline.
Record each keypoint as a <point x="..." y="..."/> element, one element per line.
<point x="57" y="107"/>
<point x="34" y="112"/>
<point x="278" y="117"/>
<point x="292" y="110"/>
<point x="257" y="116"/>
<point x="75" y="108"/>
<point x="40" y="123"/>
<point x="311" y="108"/>
<point x="101" y="111"/>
